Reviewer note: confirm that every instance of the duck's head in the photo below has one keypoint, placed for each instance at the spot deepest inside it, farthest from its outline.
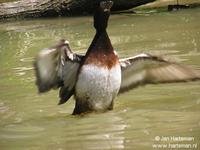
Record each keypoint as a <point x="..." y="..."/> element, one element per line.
<point x="101" y="15"/>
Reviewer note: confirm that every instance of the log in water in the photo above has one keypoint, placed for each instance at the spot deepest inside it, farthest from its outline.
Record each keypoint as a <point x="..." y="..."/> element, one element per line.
<point x="49" y="8"/>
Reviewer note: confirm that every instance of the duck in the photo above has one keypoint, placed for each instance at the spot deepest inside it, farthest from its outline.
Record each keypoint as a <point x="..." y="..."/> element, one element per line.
<point x="98" y="77"/>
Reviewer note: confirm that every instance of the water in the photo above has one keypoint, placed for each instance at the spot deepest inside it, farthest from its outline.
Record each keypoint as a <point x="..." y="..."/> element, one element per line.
<point x="32" y="121"/>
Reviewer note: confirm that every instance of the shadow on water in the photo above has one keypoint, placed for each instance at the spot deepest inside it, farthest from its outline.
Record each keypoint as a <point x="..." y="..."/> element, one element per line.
<point x="29" y="120"/>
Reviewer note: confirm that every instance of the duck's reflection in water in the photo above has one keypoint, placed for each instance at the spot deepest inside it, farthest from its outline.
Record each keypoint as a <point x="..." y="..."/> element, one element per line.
<point x="96" y="132"/>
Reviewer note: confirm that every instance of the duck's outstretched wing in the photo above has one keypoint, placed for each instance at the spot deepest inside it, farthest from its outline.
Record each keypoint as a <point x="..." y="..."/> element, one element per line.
<point x="48" y="70"/>
<point x="144" y="68"/>
<point x="57" y="67"/>
<point x="69" y="76"/>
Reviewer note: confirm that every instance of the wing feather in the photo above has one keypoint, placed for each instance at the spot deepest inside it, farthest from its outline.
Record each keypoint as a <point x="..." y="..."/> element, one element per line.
<point x="70" y="70"/>
<point x="147" y="69"/>
<point x="47" y="69"/>
<point x="57" y="67"/>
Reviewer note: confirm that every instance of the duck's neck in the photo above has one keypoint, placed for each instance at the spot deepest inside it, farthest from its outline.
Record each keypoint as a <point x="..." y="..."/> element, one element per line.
<point x="101" y="42"/>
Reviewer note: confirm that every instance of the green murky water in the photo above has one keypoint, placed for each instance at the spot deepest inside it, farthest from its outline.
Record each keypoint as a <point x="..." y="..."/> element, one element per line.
<point x="35" y="122"/>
